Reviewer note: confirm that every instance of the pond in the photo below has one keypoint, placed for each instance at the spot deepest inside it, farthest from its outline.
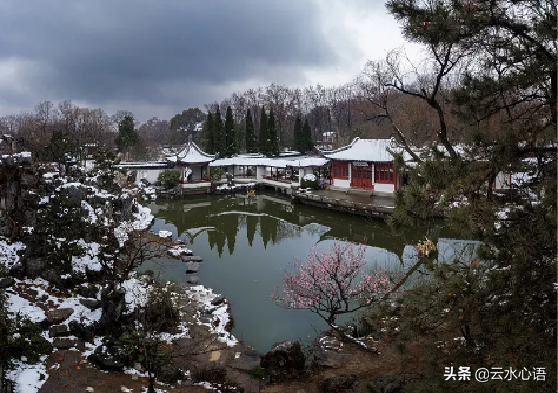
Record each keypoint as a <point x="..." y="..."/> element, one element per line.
<point x="247" y="243"/>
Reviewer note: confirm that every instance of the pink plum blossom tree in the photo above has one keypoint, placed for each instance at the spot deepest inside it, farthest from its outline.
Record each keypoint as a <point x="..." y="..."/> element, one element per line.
<point x="332" y="282"/>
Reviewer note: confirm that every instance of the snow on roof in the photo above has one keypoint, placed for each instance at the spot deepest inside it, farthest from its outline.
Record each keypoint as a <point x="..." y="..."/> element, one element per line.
<point x="363" y="150"/>
<point x="191" y="154"/>
<point x="153" y="164"/>
<point x="282" y="162"/>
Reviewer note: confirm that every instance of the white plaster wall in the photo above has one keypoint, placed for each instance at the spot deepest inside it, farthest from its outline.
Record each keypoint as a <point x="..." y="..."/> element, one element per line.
<point x="260" y="172"/>
<point x="380" y="187"/>
<point x="151" y="175"/>
<point x="342" y="183"/>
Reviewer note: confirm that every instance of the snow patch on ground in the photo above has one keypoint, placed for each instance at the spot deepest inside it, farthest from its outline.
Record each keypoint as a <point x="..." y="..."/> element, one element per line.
<point x="165" y="234"/>
<point x="17" y="304"/>
<point x="8" y="252"/>
<point x="142" y="220"/>
<point x="204" y="296"/>
<point x="28" y="378"/>
<point x="81" y="314"/>
<point x="89" y="261"/>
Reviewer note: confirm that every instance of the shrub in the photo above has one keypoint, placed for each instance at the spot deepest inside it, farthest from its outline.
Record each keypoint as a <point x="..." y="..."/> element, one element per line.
<point x="169" y="178"/>
<point x="217" y="173"/>
<point x="258" y="373"/>
<point x="314" y="184"/>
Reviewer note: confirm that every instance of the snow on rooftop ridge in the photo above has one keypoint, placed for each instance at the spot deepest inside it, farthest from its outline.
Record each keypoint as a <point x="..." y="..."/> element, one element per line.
<point x="191" y="153"/>
<point x="375" y="150"/>
<point x="281" y="162"/>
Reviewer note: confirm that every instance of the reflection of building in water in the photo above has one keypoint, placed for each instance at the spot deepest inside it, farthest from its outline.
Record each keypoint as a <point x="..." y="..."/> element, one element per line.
<point x="190" y="206"/>
<point x="316" y="229"/>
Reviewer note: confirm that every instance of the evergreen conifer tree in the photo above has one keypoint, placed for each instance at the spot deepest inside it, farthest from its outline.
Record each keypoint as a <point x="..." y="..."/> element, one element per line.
<point x="263" y="137"/>
<point x="127" y="134"/>
<point x="272" y="132"/>
<point x="307" y="144"/>
<point x="210" y="138"/>
<point x="298" y="135"/>
<point x="503" y="305"/>
<point x="250" y="133"/>
<point x="229" y="133"/>
<point x="218" y="134"/>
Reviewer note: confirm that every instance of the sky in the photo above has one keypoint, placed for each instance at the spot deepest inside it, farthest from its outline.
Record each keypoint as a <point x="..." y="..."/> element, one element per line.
<point x="158" y="57"/>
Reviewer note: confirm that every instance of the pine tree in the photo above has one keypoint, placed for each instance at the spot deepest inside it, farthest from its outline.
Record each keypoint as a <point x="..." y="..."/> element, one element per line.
<point x="229" y="133"/>
<point x="307" y="144"/>
<point x="263" y="137"/>
<point x="127" y="134"/>
<point x="298" y="135"/>
<point x="250" y="134"/>
<point x="504" y="304"/>
<point x="210" y="137"/>
<point x="218" y="134"/>
<point x="272" y="132"/>
<point x="19" y="337"/>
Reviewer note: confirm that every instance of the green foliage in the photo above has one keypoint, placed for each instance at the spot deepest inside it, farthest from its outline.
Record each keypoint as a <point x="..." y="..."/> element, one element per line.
<point x="18" y="337"/>
<point x="314" y="184"/>
<point x="273" y="148"/>
<point x="143" y="344"/>
<point x="217" y="173"/>
<point x="258" y="373"/>
<point x="127" y="134"/>
<point x="60" y="144"/>
<point x="298" y="137"/>
<point x="230" y="142"/>
<point x="59" y="225"/>
<point x="263" y="143"/>
<point x="503" y="307"/>
<point x="186" y="120"/>
<point x="106" y="169"/>
<point x="306" y="143"/>
<point x="250" y="133"/>
<point x="169" y="177"/>
<point x="210" y="134"/>
<point x="219" y="140"/>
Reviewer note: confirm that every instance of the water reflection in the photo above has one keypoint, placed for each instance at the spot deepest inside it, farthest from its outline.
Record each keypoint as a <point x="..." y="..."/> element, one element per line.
<point x="247" y="244"/>
<point x="273" y="219"/>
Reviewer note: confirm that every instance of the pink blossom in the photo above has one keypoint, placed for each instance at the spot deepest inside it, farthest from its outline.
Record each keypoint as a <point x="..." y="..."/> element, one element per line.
<point x="329" y="284"/>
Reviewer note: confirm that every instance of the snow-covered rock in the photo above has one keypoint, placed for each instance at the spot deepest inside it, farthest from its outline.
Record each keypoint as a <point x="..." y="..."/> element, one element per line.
<point x="165" y="234"/>
<point x="8" y="252"/>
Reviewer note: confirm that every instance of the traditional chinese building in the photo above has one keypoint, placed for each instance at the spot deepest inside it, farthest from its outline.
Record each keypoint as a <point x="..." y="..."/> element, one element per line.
<point x="364" y="164"/>
<point x="193" y="164"/>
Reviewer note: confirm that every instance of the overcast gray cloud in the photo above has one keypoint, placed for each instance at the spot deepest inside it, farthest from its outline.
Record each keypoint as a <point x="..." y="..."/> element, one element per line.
<point x="164" y="54"/>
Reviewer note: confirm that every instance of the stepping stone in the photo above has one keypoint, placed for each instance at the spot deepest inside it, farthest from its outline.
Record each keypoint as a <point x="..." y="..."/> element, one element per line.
<point x="193" y="280"/>
<point x="191" y="259"/>
<point x="192" y="267"/>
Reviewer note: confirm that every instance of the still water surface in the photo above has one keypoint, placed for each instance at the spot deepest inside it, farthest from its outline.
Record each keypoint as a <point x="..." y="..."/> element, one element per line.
<point x="247" y="243"/>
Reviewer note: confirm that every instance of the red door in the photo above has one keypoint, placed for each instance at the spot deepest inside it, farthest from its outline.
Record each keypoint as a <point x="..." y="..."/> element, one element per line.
<point x="361" y="176"/>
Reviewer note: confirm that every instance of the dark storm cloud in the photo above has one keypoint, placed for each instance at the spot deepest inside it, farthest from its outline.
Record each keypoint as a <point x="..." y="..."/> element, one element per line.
<point x="107" y="50"/>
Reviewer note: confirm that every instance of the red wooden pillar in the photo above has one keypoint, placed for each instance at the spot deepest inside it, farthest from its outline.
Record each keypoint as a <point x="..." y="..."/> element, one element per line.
<point x="394" y="179"/>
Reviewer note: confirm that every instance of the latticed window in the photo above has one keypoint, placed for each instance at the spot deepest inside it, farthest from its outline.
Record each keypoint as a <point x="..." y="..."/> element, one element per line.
<point x="340" y="170"/>
<point x="383" y="173"/>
